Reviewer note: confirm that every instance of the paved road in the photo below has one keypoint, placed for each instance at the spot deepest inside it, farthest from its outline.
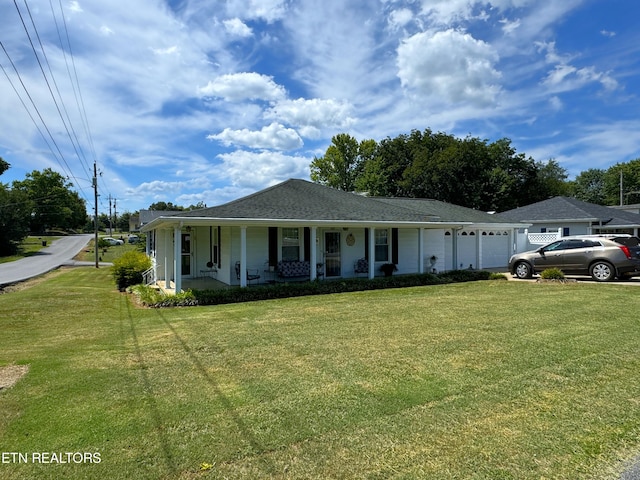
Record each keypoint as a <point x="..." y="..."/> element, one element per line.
<point x="60" y="252"/>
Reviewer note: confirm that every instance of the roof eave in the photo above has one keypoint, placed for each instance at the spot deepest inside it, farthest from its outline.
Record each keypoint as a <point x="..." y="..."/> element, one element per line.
<point x="172" y="222"/>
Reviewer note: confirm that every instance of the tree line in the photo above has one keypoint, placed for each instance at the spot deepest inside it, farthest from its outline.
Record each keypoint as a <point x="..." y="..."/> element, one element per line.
<point x="471" y="172"/>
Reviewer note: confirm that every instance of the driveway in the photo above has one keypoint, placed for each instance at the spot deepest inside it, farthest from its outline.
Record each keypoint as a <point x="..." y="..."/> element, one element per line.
<point x="60" y="252"/>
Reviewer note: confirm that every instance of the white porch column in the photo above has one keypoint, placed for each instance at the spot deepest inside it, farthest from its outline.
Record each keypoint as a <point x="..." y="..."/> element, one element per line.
<point x="243" y="256"/>
<point x="420" y="250"/>
<point x="478" y="249"/>
<point x="454" y="248"/>
<point x="372" y="252"/>
<point x="177" y="258"/>
<point x="313" y="253"/>
<point x="167" y="266"/>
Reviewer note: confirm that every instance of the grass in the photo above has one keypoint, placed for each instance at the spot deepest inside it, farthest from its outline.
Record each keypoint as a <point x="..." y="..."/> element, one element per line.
<point x="110" y="253"/>
<point x="483" y="380"/>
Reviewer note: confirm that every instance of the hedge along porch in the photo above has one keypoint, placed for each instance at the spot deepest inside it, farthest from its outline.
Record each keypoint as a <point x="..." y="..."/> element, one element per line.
<point x="330" y="229"/>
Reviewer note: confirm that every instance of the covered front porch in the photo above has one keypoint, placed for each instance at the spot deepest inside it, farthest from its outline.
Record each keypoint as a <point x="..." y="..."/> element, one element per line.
<point x="212" y="256"/>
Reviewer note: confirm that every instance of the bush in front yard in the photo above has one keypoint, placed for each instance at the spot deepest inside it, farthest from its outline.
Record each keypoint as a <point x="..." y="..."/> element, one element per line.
<point x="128" y="269"/>
<point x="285" y="290"/>
<point x="552" y="274"/>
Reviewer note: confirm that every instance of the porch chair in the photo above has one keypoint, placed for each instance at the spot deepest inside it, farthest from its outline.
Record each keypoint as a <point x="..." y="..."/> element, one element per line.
<point x="361" y="266"/>
<point x="252" y="274"/>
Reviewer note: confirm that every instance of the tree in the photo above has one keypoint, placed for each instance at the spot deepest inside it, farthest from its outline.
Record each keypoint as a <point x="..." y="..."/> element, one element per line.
<point x="164" y="206"/>
<point x="342" y="162"/>
<point x="552" y="180"/>
<point x="630" y="172"/>
<point x="4" y="166"/>
<point x="54" y="204"/>
<point x="588" y="186"/>
<point x="15" y="209"/>
<point x="382" y="173"/>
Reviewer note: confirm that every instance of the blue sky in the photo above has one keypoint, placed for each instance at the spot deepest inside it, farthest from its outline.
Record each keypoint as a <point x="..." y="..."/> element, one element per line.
<point x="189" y="101"/>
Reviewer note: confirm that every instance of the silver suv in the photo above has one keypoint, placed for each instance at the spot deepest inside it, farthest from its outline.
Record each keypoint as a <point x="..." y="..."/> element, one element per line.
<point x="604" y="257"/>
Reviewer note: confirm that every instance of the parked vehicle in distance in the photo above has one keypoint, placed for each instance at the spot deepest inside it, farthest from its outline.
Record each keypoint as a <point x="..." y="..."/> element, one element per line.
<point x="604" y="257"/>
<point x="112" y="241"/>
<point x="133" y="239"/>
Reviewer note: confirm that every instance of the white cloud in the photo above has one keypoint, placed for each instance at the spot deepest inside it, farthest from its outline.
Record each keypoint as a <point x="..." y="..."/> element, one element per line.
<point x="274" y="136"/>
<point x="566" y="77"/>
<point x="156" y="189"/>
<point x="165" y="51"/>
<point x="556" y="103"/>
<point x="508" y="26"/>
<point x="74" y="6"/>
<point x="312" y="116"/>
<point x="237" y="28"/>
<point x="400" y="18"/>
<point x="257" y="170"/>
<point x="449" y="65"/>
<point x="267" y="10"/>
<point x="244" y="86"/>
<point x="447" y="11"/>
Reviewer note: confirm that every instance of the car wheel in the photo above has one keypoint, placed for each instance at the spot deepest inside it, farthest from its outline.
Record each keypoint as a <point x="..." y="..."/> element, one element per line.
<point x="523" y="270"/>
<point x="602" y="272"/>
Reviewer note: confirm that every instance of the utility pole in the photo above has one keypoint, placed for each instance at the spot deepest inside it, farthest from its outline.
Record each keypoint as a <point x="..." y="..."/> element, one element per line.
<point x="115" y="214"/>
<point x="95" y="191"/>
<point x="110" y="218"/>
<point x="621" y="189"/>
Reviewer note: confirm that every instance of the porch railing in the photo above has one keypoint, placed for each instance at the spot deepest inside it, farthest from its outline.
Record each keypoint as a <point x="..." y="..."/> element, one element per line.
<point x="149" y="276"/>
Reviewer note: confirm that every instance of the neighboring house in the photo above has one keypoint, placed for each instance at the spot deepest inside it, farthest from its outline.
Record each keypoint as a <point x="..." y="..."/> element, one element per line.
<point x="146" y="216"/>
<point x="563" y="216"/>
<point x="134" y="222"/>
<point x="327" y="229"/>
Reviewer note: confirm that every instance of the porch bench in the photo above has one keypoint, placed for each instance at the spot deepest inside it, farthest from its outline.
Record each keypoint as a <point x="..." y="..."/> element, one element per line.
<point x="294" y="269"/>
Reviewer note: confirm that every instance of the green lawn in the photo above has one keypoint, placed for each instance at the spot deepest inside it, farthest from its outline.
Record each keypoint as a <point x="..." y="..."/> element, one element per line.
<point x="484" y="380"/>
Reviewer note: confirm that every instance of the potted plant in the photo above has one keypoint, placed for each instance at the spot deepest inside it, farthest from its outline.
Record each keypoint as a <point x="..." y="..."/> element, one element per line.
<point x="388" y="269"/>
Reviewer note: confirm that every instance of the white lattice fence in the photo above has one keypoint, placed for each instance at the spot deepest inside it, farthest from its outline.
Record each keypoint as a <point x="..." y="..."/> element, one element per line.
<point x="543" y="238"/>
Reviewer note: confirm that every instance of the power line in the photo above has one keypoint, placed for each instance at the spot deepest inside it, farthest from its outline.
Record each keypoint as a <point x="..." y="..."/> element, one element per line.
<point x="44" y="75"/>
<point x="60" y="105"/>
<point x="67" y="170"/>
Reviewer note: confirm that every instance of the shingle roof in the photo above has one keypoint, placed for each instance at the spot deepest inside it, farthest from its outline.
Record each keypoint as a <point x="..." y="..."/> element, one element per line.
<point x="148" y="215"/>
<point x="297" y="199"/>
<point x="566" y="208"/>
<point x="445" y="212"/>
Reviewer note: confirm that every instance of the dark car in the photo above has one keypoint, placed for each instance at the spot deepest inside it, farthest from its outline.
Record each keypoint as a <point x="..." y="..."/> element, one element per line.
<point x="603" y="257"/>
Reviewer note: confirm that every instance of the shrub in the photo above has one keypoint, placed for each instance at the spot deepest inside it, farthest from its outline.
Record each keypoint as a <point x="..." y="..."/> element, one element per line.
<point x="152" y="297"/>
<point x="552" y="274"/>
<point x="285" y="290"/>
<point x="497" y="276"/>
<point x="128" y="269"/>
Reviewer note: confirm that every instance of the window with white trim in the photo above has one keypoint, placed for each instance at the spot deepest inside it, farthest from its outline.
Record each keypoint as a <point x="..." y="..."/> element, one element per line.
<point x="290" y="244"/>
<point x="382" y="246"/>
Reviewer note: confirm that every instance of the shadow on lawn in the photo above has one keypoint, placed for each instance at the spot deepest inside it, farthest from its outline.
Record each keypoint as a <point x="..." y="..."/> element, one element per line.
<point x="156" y="414"/>
<point x="242" y="427"/>
<point x="151" y="400"/>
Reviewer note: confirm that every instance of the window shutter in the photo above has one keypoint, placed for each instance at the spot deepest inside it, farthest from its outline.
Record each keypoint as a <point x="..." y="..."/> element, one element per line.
<point x="394" y="246"/>
<point x="273" y="246"/>
<point x="366" y="243"/>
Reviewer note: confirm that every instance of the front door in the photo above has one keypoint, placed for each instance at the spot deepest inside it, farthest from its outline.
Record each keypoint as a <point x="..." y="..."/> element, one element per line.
<point x="185" y="261"/>
<point x="332" y="254"/>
